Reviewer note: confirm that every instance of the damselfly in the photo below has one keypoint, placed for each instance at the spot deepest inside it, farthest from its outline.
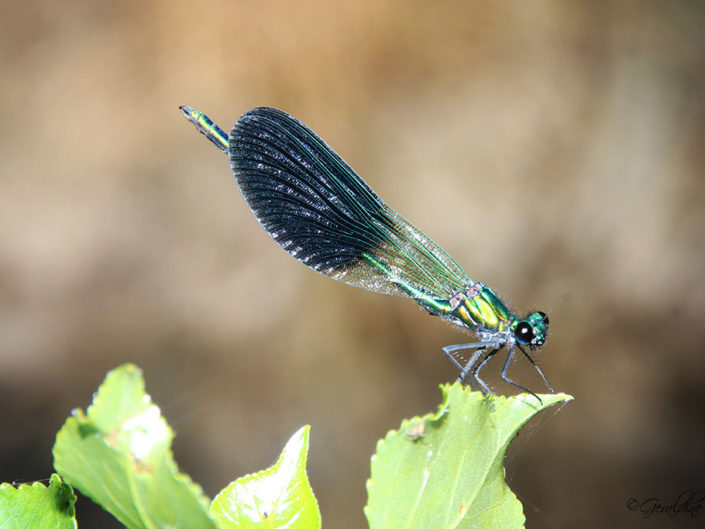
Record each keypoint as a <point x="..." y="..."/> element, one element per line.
<point x="322" y="213"/>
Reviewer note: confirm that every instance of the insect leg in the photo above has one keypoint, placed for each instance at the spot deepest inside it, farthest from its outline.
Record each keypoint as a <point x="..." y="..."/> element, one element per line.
<point x="480" y="346"/>
<point x="510" y="353"/>
<point x="468" y="372"/>
<point x="537" y="368"/>
<point x="481" y="364"/>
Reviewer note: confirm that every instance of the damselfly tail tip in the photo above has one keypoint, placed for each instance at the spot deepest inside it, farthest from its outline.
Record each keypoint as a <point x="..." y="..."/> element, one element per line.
<point x="186" y="110"/>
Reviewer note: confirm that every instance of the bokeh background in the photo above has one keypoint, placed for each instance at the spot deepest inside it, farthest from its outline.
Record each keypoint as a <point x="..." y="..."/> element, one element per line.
<point x="555" y="149"/>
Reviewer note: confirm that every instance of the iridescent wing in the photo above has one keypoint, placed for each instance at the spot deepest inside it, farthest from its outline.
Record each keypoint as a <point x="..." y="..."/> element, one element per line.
<point x="321" y="212"/>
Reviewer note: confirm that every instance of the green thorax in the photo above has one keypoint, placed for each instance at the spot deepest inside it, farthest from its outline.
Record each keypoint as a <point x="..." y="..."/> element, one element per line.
<point x="479" y="308"/>
<point x="476" y="308"/>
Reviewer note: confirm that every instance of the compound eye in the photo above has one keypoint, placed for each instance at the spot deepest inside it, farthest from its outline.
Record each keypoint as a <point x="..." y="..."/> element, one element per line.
<point x="544" y="316"/>
<point x="524" y="333"/>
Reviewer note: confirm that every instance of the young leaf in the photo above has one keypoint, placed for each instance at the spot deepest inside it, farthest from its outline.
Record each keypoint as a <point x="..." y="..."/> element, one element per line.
<point x="445" y="470"/>
<point x="119" y="454"/>
<point x="37" y="507"/>
<point x="278" y="497"/>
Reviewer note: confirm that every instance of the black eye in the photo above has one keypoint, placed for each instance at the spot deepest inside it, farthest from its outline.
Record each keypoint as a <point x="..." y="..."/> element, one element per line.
<point x="524" y="333"/>
<point x="544" y="316"/>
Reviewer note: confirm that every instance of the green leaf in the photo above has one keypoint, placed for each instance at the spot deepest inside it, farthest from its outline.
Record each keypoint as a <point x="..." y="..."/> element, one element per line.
<point x="119" y="454"/>
<point x="37" y="507"/>
<point x="279" y="496"/>
<point x="445" y="470"/>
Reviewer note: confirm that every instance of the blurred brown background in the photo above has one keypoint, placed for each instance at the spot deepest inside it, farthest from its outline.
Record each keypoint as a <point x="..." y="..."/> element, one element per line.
<point x="555" y="149"/>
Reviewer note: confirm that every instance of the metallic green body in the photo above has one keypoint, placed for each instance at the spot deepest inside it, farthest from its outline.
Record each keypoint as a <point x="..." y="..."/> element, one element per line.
<point x="314" y="205"/>
<point x="484" y="311"/>
<point x="478" y="308"/>
<point x="205" y="126"/>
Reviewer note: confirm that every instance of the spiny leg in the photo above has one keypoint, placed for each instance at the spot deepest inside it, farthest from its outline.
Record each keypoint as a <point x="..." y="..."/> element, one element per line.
<point x="467" y="372"/>
<point x="480" y="346"/>
<point x="537" y="368"/>
<point x="510" y="353"/>
<point x="449" y="349"/>
<point x="481" y="364"/>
